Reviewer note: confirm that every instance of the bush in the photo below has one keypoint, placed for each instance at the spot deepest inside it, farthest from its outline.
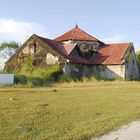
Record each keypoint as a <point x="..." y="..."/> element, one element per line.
<point x="2" y="72"/>
<point x="66" y="79"/>
<point x="39" y="76"/>
<point x="20" y="79"/>
<point x="36" y="76"/>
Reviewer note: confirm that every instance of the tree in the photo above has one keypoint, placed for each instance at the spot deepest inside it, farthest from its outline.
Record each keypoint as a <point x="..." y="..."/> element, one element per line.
<point x="7" y="49"/>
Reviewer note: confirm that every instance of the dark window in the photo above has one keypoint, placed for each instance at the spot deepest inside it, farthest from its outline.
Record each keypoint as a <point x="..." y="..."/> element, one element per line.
<point x="127" y="65"/>
<point x="131" y="77"/>
<point x="133" y="61"/>
<point x="33" y="48"/>
<point x="132" y="49"/>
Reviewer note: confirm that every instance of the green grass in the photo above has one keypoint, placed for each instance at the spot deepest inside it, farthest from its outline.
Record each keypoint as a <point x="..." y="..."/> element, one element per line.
<point x="75" y="111"/>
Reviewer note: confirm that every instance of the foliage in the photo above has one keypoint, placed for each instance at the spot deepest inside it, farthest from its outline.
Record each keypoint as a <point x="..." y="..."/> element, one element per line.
<point x="32" y="76"/>
<point x="10" y="44"/>
<point x="66" y="79"/>
<point x="35" y="76"/>
<point x="2" y="71"/>
<point x="29" y="67"/>
<point x="7" y="49"/>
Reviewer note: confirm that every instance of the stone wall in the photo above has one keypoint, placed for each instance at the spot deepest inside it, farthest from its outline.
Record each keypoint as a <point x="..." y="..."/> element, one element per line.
<point x="41" y="53"/>
<point x="131" y="66"/>
<point x="127" y="70"/>
<point x="102" y="71"/>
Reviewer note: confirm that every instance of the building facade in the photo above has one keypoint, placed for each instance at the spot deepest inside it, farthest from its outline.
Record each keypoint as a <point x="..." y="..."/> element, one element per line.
<point x="80" y="54"/>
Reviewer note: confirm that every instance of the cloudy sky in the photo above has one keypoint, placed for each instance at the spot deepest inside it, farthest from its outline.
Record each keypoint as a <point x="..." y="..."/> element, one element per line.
<point x="108" y="20"/>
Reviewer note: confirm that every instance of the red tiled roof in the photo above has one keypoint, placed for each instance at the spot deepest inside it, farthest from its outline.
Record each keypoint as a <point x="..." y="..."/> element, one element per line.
<point x="67" y="48"/>
<point x="76" y="34"/>
<point x="61" y="48"/>
<point x="78" y="60"/>
<point x="110" y="54"/>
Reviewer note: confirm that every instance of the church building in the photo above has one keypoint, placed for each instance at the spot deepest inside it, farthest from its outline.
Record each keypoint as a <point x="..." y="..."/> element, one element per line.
<point x="80" y="54"/>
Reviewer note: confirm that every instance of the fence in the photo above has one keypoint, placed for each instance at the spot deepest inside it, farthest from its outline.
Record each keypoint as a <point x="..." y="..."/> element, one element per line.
<point x="6" y="79"/>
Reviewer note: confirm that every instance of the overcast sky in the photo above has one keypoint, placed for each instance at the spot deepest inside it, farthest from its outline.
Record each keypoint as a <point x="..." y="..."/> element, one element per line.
<point x="107" y="20"/>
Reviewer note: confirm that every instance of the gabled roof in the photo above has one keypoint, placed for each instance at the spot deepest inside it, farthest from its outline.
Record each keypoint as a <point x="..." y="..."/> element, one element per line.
<point x="78" y="60"/>
<point x="66" y="48"/>
<point x="108" y="54"/>
<point x="76" y="34"/>
<point x="59" y="47"/>
<point x="111" y="54"/>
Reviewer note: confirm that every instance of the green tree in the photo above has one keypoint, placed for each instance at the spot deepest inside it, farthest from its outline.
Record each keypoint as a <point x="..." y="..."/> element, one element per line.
<point x="7" y="49"/>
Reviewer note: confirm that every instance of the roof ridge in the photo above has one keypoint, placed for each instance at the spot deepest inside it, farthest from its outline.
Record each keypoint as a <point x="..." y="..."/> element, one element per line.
<point x="77" y="33"/>
<point x="90" y="35"/>
<point x="118" y="43"/>
<point x="74" y="31"/>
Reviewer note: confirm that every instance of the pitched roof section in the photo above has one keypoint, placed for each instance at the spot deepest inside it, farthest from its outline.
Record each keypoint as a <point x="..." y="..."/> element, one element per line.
<point x="76" y="34"/>
<point x="61" y="48"/>
<point x="78" y="60"/>
<point x="66" y="48"/>
<point x="110" y="54"/>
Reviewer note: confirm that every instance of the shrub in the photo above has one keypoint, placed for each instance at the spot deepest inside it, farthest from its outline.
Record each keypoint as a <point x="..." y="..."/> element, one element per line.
<point x="39" y="76"/>
<point x="2" y="71"/>
<point x="67" y="79"/>
<point x="20" y="79"/>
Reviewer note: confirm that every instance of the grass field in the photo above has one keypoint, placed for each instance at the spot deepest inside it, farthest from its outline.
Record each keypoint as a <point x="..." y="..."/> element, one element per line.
<point x="73" y="111"/>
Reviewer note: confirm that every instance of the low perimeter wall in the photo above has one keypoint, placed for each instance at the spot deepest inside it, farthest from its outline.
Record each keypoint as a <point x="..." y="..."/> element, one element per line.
<point x="6" y="79"/>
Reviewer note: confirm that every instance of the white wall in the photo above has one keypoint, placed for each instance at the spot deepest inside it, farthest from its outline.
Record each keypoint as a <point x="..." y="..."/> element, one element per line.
<point x="6" y="79"/>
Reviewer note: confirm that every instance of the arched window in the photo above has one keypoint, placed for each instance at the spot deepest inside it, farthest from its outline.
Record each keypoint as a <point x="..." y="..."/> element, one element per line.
<point x="32" y="48"/>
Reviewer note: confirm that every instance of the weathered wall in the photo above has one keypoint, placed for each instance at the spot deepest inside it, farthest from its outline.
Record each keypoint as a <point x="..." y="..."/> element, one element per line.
<point x="127" y="70"/>
<point x="41" y="53"/>
<point x="44" y="56"/>
<point x="51" y="59"/>
<point x="102" y="71"/>
<point x="131" y="66"/>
